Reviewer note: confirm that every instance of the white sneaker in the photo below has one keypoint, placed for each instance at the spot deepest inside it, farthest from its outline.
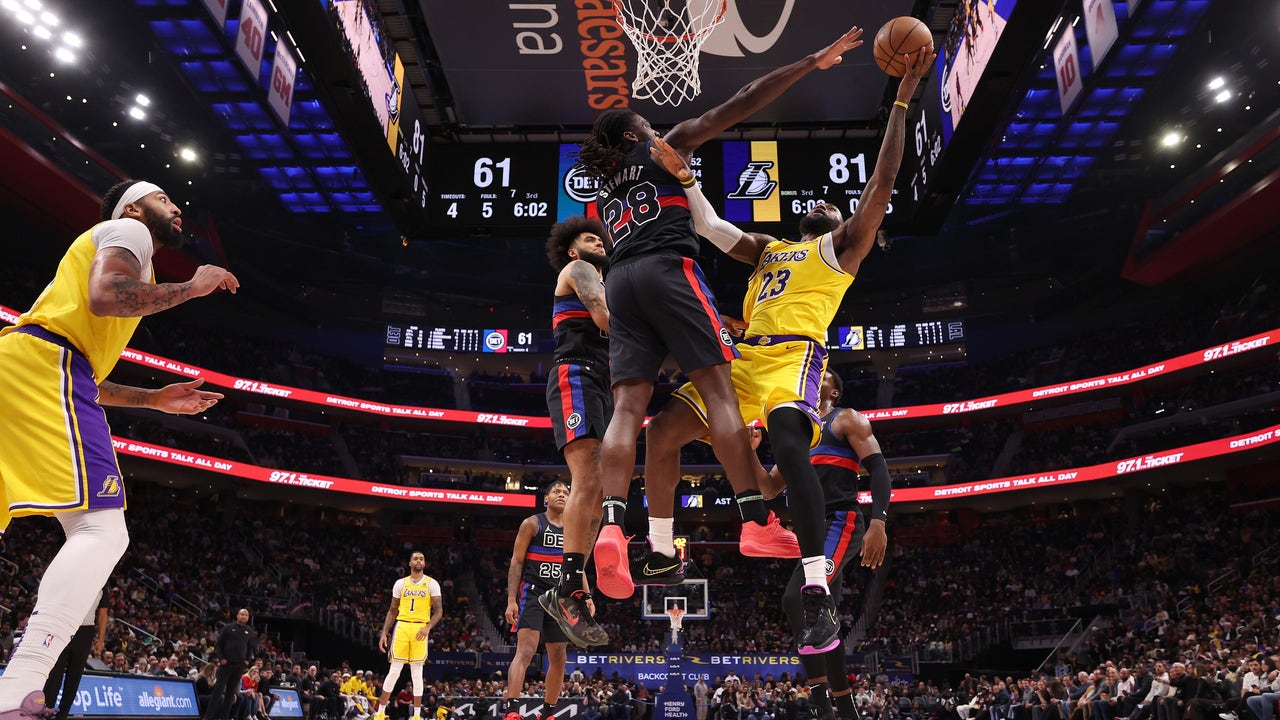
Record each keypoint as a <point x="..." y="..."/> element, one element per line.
<point x="1227" y="716"/>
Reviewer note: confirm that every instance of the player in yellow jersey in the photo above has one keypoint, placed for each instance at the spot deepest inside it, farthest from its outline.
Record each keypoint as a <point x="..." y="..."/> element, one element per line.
<point x="415" y="609"/>
<point x="56" y="456"/>
<point x="791" y="298"/>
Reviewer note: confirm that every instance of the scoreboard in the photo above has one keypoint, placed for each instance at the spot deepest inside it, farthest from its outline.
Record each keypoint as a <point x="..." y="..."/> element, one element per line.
<point x="467" y="340"/>
<point x="893" y="336"/>
<point x="750" y="182"/>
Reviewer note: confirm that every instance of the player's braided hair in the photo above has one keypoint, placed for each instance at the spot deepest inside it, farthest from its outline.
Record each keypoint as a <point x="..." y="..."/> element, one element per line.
<point x="606" y="149"/>
<point x="563" y="234"/>
<point x="111" y="197"/>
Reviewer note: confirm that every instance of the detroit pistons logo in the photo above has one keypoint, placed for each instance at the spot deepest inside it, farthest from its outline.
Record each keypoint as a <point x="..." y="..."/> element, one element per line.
<point x="726" y="338"/>
<point x="573" y="421"/>
<point x="580" y="185"/>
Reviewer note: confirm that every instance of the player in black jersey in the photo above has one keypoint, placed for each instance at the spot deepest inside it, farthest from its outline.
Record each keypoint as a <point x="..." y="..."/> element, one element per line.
<point x="535" y="568"/>
<point x="845" y="446"/>
<point x="661" y="305"/>
<point x="580" y="404"/>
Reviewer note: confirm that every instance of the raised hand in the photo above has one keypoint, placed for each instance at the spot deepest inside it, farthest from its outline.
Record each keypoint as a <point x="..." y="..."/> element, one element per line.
<point x="670" y="160"/>
<point x="830" y="56"/>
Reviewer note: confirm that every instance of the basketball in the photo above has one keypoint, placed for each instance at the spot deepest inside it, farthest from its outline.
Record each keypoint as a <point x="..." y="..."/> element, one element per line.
<point x="895" y="39"/>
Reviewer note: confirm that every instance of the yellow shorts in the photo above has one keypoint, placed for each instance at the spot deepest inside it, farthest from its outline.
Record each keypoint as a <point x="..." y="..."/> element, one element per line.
<point x="770" y="375"/>
<point x="405" y="647"/>
<point x="55" y="446"/>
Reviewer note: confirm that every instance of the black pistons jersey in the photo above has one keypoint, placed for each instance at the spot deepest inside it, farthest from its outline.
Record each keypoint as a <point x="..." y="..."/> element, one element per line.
<point x="577" y="337"/>
<point x="645" y="211"/>
<point x="837" y="466"/>
<point x="546" y="550"/>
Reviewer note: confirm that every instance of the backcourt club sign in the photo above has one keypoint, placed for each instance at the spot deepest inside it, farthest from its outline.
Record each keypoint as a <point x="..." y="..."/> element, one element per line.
<point x="563" y="62"/>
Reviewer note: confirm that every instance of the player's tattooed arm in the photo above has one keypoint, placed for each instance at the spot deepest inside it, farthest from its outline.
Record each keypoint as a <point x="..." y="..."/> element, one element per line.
<point x="117" y="395"/>
<point x="586" y="283"/>
<point x="116" y="288"/>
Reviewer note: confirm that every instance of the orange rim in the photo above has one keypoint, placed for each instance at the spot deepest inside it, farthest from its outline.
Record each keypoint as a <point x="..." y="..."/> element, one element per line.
<point x="622" y="21"/>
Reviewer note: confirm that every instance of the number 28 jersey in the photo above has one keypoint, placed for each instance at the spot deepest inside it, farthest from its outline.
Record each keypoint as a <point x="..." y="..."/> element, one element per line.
<point x="645" y="211"/>
<point x="795" y="290"/>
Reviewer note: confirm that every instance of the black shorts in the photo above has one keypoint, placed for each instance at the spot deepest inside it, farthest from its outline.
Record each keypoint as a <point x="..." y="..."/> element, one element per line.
<point x="660" y="305"/>
<point x="579" y="400"/>
<point x="532" y="615"/>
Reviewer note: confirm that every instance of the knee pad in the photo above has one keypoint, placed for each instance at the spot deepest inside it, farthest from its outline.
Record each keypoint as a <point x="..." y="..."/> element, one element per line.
<point x="415" y="672"/>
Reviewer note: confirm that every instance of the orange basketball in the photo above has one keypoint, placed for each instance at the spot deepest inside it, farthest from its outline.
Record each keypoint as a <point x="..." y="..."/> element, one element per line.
<point x="896" y="38"/>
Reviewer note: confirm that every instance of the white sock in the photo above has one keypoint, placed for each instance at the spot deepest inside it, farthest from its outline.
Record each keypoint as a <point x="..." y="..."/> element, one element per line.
<point x="96" y="539"/>
<point x="815" y="571"/>
<point x="662" y="535"/>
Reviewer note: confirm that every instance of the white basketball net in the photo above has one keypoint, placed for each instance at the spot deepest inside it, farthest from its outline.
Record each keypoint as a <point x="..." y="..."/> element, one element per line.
<point x="668" y="35"/>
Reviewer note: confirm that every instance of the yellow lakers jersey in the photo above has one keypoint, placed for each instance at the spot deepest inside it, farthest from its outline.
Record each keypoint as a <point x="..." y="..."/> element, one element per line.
<point x="415" y="600"/>
<point x="795" y="290"/>
<point x="63" y="308"/>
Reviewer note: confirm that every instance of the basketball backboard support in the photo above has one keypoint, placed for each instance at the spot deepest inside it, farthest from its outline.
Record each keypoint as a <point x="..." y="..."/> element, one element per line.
<point x="692" y="594"/>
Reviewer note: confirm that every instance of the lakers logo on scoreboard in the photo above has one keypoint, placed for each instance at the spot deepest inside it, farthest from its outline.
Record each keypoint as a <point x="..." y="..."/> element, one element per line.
<point x="752" y="169"/>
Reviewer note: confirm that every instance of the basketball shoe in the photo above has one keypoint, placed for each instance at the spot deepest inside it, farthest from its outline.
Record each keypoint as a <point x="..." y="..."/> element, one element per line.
<point x="613" y="568"/>
<point x="657" y="569"/>
<point x="32" y="708"/>
<point x="572" y="615"/>
<point x="770" y="540"/>
<point x="821" y="626"/>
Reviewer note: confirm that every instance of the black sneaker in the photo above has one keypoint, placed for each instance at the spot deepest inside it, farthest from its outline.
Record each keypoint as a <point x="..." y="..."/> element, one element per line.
<point x="573" y="617"/>
<point x="657" y="569"/>
<point x="821" y="626"/>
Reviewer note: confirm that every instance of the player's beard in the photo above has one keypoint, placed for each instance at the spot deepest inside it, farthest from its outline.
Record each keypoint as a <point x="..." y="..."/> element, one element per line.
<point x="161" y="227"/>
<point x="599" y="260"/>
<point x="815" y="225"/>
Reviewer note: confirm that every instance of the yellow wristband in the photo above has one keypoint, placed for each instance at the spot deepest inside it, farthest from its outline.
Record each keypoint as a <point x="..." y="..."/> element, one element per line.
<point x="901" y="104"/>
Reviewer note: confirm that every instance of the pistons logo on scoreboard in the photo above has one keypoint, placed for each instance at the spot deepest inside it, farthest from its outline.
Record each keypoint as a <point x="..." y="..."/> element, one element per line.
<point x="752" y="170"/>
<point x="495" y="341"/>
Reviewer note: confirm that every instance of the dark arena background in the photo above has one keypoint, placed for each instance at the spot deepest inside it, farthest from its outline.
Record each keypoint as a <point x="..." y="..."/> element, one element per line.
<point x="1065" y="338"/>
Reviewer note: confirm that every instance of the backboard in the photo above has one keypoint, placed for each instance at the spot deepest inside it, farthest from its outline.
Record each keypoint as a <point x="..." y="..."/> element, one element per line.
<point x="692" y="594"/>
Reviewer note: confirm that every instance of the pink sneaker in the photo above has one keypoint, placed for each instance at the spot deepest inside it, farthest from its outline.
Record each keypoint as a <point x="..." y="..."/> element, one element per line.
<point x="613" y="567"/>
<point x="32" y="708"/>
<point x="770" y="540"/>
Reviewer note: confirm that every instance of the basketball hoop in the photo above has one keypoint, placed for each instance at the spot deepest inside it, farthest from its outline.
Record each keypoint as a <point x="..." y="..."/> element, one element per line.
<point x="677" y="618"/>
<point x="668" y="44"/>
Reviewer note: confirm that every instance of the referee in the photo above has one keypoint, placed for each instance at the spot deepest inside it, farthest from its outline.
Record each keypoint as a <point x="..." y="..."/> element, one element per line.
<point x="236" y="645"/>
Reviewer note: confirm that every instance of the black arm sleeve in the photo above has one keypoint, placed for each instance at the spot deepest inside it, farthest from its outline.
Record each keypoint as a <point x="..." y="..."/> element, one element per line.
<point x="880" y="485"/>
<point x="220" y="647"/>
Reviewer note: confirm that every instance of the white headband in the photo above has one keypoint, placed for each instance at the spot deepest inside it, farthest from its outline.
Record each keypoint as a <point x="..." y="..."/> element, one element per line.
<point x="136" y="192"/>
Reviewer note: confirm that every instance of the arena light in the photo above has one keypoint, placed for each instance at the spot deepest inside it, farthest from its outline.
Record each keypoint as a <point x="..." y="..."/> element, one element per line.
<point x="1223" y="96"/>
<point x="72" y="40"/>
<point x="41" y="32"/>
<point x="24" y="17"/>
<point x="137" y="113"/>
<point x="1217" y="82"/>
<point x="64" y="55"/>
<point x="1171" y="139"/>
<point x="49" y="18"/>
<point x="187" y="154"/>
<point x="142" y="100"/>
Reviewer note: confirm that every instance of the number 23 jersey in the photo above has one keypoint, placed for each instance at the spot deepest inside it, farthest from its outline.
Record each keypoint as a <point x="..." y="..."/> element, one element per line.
<point x="795" y="290"/>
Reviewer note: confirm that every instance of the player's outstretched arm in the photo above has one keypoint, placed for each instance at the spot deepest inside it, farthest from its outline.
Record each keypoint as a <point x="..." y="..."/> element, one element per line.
<point x="743" y="246"/>
<point x="855" y="429"/>
<point x="583" y="277"/>
<point x="116" y="288"/>
<point x="688" y="135"/>
<point x="184" y="398"/>
<point x="524" y="536"/>
<point x="855" y="236"/>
